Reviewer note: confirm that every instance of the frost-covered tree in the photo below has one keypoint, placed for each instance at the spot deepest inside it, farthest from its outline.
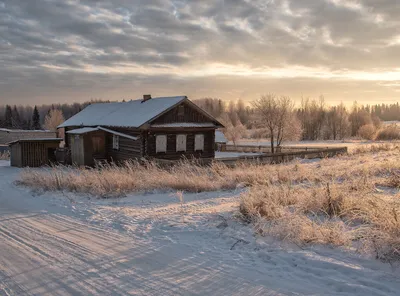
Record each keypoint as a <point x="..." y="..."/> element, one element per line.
<point x="53" y="119"/>
<point x="276" y="114"/>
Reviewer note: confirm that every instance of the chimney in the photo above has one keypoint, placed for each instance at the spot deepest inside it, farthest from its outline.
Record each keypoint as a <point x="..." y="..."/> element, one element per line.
<point x="146" y="98"/>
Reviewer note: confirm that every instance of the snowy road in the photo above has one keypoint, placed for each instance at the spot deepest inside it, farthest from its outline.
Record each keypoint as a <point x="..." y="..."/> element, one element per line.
<point x="47" y="248"/>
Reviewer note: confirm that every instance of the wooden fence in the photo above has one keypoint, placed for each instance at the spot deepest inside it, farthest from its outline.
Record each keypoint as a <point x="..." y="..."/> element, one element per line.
<point x="267" y="149"/>
<point x="285" y="154"/>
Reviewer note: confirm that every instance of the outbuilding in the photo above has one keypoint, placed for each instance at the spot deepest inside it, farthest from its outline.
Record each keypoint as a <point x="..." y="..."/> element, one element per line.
<point x="34" y="152"/>
<point x="9" y="135"/>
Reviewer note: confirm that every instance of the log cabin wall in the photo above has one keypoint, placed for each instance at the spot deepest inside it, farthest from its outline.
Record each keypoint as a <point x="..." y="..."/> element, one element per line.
<point x="181" y="113"/>
<point x="172" y="154"/>
<point x="128" y="148"/>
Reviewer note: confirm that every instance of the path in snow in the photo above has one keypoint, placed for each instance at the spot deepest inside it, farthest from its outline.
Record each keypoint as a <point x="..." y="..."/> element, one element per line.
<point x="139" y="246"/>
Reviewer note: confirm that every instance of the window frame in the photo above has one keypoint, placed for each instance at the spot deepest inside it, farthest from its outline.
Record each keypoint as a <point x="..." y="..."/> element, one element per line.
<point x="115" y="142"/>
<point x="195" y="142"/>
<point x="166" y="144"/>
<point x="177" y="149"/>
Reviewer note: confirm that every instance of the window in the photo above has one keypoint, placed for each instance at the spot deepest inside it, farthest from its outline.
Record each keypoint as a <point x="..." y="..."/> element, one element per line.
<point x="116" y="142"/>
<point x="199" y="142"/>
<point x="180" y="143"/>
<point x="161" y="143"/>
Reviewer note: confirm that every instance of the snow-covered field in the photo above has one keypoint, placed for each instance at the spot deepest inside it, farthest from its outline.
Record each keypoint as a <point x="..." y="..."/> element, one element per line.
<point x="152" y="244"/>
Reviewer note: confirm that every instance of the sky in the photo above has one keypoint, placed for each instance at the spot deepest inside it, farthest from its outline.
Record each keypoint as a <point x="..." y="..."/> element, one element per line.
<point x="54" y="51"/>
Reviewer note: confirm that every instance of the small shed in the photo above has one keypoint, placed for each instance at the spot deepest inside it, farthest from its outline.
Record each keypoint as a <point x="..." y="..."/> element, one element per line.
<point x="34" y="152"/>
<point x="10" y="135"/>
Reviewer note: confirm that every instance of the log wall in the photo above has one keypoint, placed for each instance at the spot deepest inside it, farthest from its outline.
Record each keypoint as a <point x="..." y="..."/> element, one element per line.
<point x="172" y="154"/>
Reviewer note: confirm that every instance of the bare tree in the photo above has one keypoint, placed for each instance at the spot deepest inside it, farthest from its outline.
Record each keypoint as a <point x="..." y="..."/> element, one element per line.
<point x="53" y="119"/>
<point x="312" y="116"/>
<point x="337" y="122"/>
<point x="359" y="117"/>
<point x="232" y="131"/>
<point x="276" y="114"/>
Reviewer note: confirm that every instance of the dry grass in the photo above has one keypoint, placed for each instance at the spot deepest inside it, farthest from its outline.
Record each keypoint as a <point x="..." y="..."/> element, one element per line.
<point x="351" y="200"/>
<point x="348" y="201"/>
<point x="113" y="180"/>
<point x="5" y="155"/>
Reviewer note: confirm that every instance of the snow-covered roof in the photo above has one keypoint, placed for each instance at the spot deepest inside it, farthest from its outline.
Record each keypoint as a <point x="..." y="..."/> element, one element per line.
<point x="23" y="131"/>
<point x="185" y="124"/>
<point x="122" y="114"/>
<point x="82" y="130"/>
<point x="37" y="140"/>
<point x="220" y="137"/>
<point x="117" y="133"/>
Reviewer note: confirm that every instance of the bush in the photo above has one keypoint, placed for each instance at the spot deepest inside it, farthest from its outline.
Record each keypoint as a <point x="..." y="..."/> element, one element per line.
<point x="367" y="132"/>
<point x="391" y="132"/>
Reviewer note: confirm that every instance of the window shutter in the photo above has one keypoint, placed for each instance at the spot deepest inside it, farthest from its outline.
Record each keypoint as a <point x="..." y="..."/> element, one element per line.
<point x="116" y="142"/>
<point x="161" y="143"/>
<point x="199" y="142"/>
<point x="180" y="143"/>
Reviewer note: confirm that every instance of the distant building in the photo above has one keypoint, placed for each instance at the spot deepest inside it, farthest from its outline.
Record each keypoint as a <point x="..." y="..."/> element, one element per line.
<point x="220" y="141"/>
<point x="11" y="135"/>
<point x="168" y="128"/>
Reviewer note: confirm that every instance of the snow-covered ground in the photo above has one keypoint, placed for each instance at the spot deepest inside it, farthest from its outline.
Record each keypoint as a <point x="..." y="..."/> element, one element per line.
<point x="152" y="244"/>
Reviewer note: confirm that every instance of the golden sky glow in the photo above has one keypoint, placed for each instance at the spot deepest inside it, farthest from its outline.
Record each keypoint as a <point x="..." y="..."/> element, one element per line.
<point x="63" y="51"/>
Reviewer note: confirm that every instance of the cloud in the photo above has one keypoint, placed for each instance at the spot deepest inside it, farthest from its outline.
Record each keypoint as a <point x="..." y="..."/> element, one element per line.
<point x="79" y="47"/>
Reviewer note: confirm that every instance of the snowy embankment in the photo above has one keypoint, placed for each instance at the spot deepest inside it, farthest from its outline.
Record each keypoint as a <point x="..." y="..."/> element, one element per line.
<point x="156" y="244"/>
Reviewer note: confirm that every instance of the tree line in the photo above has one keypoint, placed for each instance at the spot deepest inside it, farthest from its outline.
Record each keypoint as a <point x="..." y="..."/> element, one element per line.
<point x="313" y="119"/>
<point x="34" y="117"/>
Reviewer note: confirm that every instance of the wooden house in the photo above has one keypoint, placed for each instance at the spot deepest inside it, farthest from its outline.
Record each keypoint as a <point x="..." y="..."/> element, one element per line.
<point x="166" y="128"/>
<point x="34" y="152"/>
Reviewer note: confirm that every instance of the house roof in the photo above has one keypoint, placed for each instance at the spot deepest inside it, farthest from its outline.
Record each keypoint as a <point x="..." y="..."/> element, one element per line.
<point x="85" y="130"/>
<point x="122" y="114"/>
<point x="37" y="140"/>
<point x="7" y="130"/>
<point x="185" y="124"/>
<point x="82" y="130"/>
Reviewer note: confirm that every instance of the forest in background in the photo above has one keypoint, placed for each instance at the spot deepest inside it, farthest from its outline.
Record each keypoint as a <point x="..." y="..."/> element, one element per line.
<point x="315" y="119"/>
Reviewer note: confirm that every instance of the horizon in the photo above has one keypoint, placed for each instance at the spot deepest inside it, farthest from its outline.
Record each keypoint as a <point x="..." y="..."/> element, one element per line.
<point x="71" y="51"/>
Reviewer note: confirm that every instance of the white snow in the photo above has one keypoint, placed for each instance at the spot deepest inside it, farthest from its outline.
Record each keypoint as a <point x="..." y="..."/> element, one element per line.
<point x="122" y="114"/>
<point x="151" y="244"/>
<point x="23" y="131"/>
<point x="220" y="155"/>
<point x="185" y="124"/>
<point x="83" y="130"/>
